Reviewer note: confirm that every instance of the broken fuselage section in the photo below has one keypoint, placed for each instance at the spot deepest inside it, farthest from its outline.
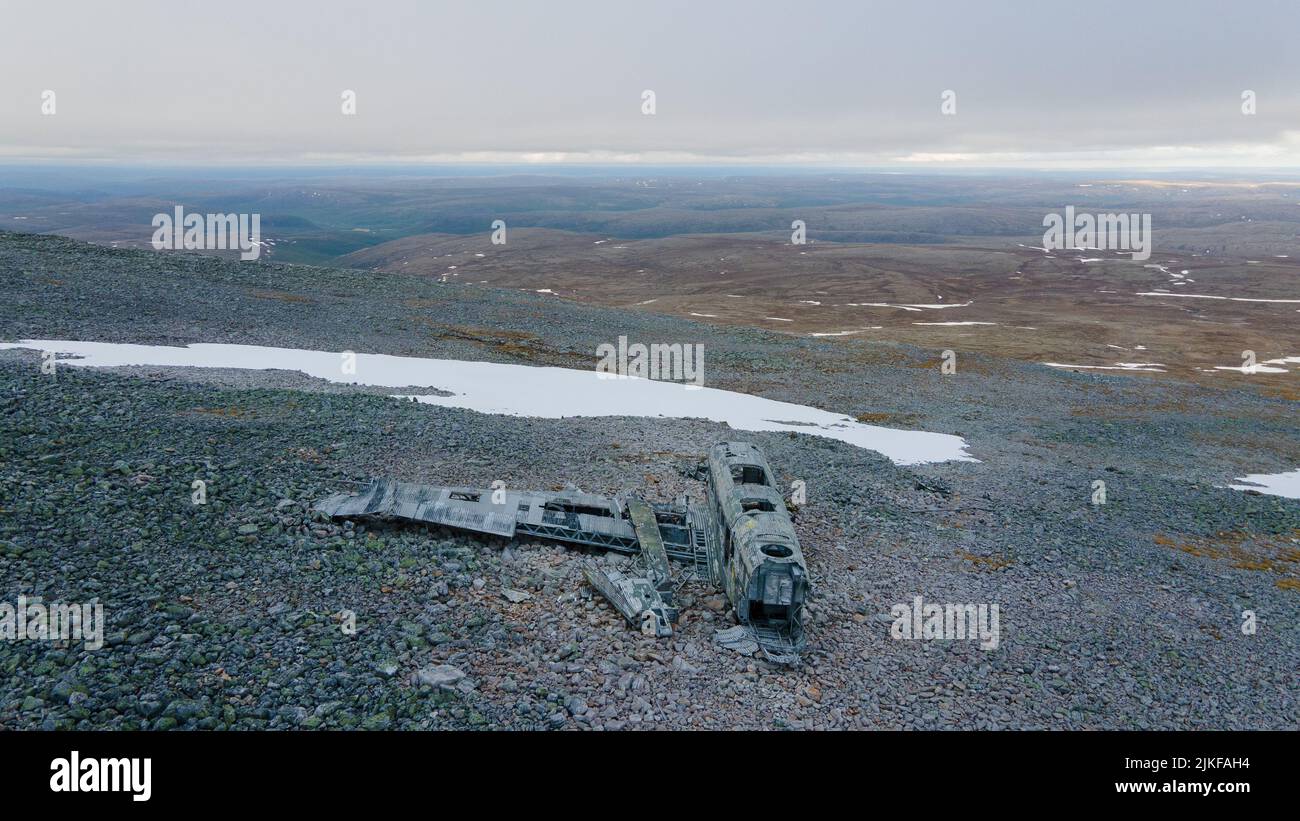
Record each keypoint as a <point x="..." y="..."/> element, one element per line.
<point x="762" y="565"/>
<point x="737" y="537"/>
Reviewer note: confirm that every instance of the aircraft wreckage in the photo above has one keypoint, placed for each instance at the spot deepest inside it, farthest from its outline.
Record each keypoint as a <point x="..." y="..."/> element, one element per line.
<point x="739" y="538"/>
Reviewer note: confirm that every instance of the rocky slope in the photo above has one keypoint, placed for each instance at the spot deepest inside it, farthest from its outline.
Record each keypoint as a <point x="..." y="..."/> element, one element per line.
<point x="234" y="613"/>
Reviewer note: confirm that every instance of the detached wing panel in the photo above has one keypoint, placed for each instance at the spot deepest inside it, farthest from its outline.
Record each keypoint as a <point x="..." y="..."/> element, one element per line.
<point x="430" y="504"/>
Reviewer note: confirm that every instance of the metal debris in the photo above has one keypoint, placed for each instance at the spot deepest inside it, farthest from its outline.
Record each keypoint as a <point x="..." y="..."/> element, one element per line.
<point x="738" y="537"/>
<point x="739" y="639"/>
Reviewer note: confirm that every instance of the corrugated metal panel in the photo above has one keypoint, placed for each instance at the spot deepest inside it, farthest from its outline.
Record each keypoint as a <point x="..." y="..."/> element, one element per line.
<point x="428" y="503"/>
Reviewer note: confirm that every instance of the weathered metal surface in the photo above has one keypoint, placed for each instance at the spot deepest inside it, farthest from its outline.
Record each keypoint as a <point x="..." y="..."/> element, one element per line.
<point x="739" y="537"/>
<point x="463" y="508"/>
<point x="739" y="639"/>
<point x="651" y="543"/>
<point x="706" y="544"/>
<point x="764" y="572"/>
<point x="635" y="597"/>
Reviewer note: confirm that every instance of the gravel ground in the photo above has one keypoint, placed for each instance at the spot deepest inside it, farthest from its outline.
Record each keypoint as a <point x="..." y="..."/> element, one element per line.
<point x="226" y="615"/>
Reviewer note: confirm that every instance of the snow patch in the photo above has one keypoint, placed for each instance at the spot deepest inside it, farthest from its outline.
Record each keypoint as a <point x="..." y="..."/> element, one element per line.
<point x="525" y="390"/>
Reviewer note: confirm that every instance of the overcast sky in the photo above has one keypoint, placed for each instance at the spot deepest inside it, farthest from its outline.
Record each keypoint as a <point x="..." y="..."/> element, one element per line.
<point x="851" y="82"/>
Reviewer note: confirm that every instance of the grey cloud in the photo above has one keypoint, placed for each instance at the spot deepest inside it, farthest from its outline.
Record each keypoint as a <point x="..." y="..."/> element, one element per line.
<point x="828" y="81"/>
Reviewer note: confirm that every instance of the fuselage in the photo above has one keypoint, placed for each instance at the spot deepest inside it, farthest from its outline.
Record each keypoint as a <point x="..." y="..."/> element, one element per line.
<point x="764" y="574"/>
